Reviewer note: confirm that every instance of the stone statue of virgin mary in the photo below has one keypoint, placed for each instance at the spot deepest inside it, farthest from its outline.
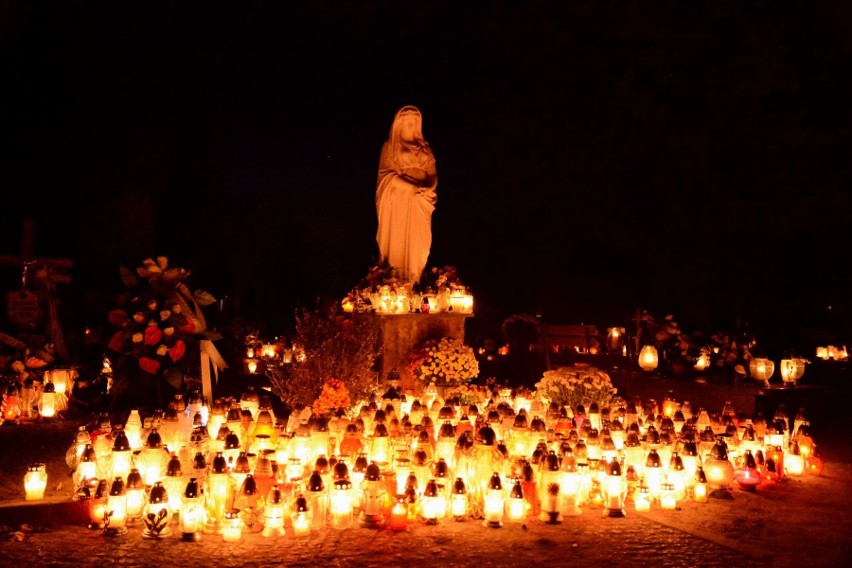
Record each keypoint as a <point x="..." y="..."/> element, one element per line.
<point x="405" y="196"/>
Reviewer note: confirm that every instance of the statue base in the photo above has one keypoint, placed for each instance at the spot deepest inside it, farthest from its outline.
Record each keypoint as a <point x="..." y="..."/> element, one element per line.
<point x="399" y="334"/>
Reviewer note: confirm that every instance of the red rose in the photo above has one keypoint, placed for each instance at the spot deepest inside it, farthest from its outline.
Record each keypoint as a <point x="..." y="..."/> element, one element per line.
<point x="177" y="350"/>
<point x="117" y="341"/>
<point x="117" y="318"/>
<point x="152" y="335"/>
<point x="149" y="365"/>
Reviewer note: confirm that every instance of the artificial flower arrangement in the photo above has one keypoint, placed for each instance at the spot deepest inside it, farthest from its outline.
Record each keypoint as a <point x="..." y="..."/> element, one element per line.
<point x="446" y="362"/>
<point x="159" y="320"/>
<point x="333" y="398"/>
<point x="576" y="384"/>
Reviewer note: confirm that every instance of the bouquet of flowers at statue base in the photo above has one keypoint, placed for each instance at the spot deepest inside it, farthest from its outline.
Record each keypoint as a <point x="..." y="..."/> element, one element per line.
<point x="447" y="362"/>
<point x="574" y="385"/>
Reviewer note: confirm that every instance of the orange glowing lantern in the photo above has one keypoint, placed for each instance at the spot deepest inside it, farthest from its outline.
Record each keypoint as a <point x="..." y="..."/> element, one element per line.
<point x="761" y="369"/>
<point x="794" y="461"/>
<point x="814" y="463"/>
<point x="792" y="370"/>
<point x="95" y="496"/>
<point x="399" y="513"/>
<point x="648" y="358"/>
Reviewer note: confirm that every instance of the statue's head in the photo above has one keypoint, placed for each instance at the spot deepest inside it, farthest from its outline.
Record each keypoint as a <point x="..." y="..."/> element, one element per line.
<point x="408" y="123"/>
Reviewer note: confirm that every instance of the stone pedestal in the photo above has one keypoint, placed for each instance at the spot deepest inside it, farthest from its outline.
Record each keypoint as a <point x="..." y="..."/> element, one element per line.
<point x="399" y="334"/>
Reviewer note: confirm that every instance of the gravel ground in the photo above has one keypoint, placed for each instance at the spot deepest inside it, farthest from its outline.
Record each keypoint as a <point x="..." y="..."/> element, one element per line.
<point x="800" y="521"/>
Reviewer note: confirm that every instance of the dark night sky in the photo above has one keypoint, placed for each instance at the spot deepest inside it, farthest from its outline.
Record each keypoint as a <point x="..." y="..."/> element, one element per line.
<point x="687" y="157"/>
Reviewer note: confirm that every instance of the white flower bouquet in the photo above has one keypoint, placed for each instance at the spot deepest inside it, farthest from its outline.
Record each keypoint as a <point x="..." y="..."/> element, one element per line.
<point x="574" y="385"/>
<point x="447" y="362"/>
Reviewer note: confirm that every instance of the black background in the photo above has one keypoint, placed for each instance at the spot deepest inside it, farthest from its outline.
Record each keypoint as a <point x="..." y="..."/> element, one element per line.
<point x="593" y="158"/>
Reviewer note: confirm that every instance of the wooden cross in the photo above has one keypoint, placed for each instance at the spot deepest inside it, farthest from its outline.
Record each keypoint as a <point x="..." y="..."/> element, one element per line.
<point x="45" y="278"/>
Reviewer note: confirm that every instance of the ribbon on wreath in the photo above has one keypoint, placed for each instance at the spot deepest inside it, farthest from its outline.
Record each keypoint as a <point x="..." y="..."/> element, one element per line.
<point x="210" y="357"/>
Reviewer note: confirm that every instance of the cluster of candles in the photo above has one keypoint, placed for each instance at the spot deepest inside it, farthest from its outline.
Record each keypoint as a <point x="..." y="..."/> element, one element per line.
<point x="38" y="399"/>
<point x="387" y="300"/>
<point x="233" y="468"/>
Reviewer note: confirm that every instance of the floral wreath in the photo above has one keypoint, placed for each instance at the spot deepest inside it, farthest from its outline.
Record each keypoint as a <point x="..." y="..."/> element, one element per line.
<point x="574" y="385"/>
<point x="158" y="323"/>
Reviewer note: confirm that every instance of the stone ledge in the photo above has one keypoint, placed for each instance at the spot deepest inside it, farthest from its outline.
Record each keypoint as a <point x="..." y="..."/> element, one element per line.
<point x="45" y="512"/>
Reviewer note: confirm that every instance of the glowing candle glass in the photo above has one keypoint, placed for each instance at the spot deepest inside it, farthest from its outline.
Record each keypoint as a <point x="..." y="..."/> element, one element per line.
<point x="35" y="481"/>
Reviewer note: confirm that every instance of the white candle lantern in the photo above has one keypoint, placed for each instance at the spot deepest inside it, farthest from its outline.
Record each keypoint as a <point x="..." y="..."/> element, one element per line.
<point x="642" y="499"/>
<point x="121" y="456"/>
<point x="87" y="467"/>
<point x="516" y="508"/>
<point x="47" y="403"/>
<point x="301" y="516"/>
<point x="458" y="500"/>
<point x="668" y="497"/>
<point x="340" y="504"/>
<point x="614" y="490"/>
<point x="273" y="513"/>
<point x="191" y="518"/>
<point x="157" y="514"/>
<point x="550" y="490"/>
<point x="494" y="502"/>
<point x="429" y="503"/>
<point x="372" y="498"/>
<point x="136" y="498"/>
<point x="35" y="481"/>
<point x="719" y="470"/>
<point x="699" y="489"/>
<point x="115" y="522"/>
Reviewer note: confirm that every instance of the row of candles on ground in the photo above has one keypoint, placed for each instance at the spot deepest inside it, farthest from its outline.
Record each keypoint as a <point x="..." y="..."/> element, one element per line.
<point x="33" y="399"/>
<point x="545" y="467"/>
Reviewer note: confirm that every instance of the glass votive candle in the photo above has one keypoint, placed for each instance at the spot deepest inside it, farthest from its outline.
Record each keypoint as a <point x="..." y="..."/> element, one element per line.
<point x="232" y="526"/>
<point x="35" y="481"/>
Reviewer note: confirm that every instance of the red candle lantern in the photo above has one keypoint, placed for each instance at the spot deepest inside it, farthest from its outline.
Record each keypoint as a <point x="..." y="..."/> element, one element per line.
<point x="814" y="463"/>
